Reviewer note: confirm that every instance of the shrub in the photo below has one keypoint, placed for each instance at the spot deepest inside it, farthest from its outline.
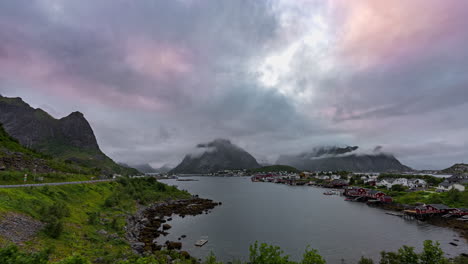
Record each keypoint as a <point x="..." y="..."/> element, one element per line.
<point x="53" y="228"/>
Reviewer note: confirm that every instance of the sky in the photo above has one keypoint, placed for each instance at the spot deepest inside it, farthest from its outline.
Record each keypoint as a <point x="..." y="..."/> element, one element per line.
<point x="154" y="78"/>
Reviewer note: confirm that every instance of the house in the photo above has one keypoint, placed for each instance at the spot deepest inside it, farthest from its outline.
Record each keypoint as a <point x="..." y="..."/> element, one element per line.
<point x="389" y="182"/>
<point x="433" y="209"/>
<point x="322" y="177"/>
<point x="374" y="194"/>
<point x="386" y="199"/>
<point x="335" y="177"/>
<point x="338" y="183"/>
<point x="460" y="211"/>
<point x="355" y="191"/>
<point x="417" y="183"/>
<point x="447" y="186"/>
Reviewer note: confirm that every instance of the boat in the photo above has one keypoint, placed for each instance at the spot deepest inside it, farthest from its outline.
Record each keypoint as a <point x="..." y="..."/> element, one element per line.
<point x="201" y="242"/>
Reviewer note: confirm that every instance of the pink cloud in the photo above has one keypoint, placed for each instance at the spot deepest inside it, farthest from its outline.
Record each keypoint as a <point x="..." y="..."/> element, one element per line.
<point x="382" y="30"/>
<point x="41" y="72"/>
<point x="156" y="60"/>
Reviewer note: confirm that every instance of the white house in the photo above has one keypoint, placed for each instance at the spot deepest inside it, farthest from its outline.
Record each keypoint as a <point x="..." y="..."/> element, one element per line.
<point x="389" y="182"/>
<point x="322" y="177"/>
<point x="335" y="177"/>
<point x="417" y="183"/>
<point x="447" y="186"/>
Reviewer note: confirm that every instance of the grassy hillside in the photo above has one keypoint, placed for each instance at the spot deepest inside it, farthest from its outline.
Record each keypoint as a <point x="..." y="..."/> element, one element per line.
<point x="17" y="160"/>
<point x="274" y="168"/>
<point x="86" y="219"/>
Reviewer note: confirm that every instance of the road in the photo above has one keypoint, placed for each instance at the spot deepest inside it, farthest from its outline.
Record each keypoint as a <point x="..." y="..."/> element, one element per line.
<point x="53" y="183"/>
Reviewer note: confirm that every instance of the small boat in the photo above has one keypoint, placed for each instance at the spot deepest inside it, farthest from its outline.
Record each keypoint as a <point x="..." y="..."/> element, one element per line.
<point x="328" y="193"/>
<point x="201" y="242"/>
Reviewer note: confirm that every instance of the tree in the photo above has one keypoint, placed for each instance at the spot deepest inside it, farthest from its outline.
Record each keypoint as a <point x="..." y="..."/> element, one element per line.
<point x="54" y="227"/>
<point x="266" y="254"/>
<point x="398" y="188"/>
<point x="75" y="260"/>
<point x="364" y="260"/>
<point x="311" y="256"/>
<point x="432" y="254"/>
<point x="389" y="258"/>
<point x="11" y="255"/>
<point x="407" y="255"/>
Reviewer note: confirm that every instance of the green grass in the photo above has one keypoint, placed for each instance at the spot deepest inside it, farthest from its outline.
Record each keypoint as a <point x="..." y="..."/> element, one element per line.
<point x="453" y="198"/>
<point x="90" y="211"/>
<point x="17" y="177"/>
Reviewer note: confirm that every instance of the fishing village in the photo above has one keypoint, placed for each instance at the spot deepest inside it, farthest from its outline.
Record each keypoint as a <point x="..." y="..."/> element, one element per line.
<point x="411" y="197"/>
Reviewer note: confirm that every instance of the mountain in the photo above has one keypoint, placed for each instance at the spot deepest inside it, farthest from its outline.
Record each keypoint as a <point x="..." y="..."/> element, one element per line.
<point x="164" y="169"/>
<point x="16" y="157"/>
<point x="459" y="168"/>
<point x="145" y="168"/>
<point x="70" y="138"/>
<point x="219" y="154"/>
<point x="346" y="158"/>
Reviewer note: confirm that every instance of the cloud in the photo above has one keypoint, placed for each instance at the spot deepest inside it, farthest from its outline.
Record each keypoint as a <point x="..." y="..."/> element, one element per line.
<point x="277" y="76"/>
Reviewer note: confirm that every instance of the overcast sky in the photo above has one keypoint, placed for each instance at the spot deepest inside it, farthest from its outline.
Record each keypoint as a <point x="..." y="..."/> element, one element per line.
<point x="154" y="77"/>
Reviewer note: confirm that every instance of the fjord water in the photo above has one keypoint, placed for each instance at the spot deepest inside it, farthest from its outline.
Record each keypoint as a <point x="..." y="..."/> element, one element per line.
<point x="293" y="217"/>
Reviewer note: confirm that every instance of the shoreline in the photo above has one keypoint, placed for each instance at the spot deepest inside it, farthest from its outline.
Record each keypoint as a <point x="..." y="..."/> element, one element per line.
<point x="461" y="227"/>
<point x="149" y="223"/>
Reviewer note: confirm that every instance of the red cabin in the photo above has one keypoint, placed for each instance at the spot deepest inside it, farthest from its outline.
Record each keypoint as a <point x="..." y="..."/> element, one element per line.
<point x="355" y="191"/>
<point x="375" y="194"/>
<point x="460" y="211"/>
<point x="386" y="199"/>
<point x="433" y="209"/>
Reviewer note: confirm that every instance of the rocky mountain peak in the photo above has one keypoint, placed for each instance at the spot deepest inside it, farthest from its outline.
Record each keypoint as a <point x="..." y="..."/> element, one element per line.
<point x="219" y="154"/>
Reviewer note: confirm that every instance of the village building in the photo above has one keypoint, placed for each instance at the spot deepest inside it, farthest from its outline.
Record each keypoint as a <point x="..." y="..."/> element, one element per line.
<point x="447" y="186"/>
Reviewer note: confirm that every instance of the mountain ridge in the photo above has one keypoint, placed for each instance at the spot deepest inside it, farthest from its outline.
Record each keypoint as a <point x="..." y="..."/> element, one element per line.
<point x="344" y="158"/>
<point x="219" y="154"/>
<point x="69" y="138"/>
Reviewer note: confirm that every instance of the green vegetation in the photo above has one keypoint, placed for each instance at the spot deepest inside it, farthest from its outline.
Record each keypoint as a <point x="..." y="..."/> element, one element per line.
<point x="17" y="177"/>
<point x="85" y="218"/>
<point x="274" y="168"/>
<point x="452" y="198"/>
<point x="259" y="254"/>
<point x="29" y="159"/>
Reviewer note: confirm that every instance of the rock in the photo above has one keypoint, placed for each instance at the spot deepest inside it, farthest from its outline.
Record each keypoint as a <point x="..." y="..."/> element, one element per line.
<point x="183" y="236"/>
<point x="173" y="245"/>
<point x="453" y="244"/>
<point x="19" y="228"/>
<point x="139" y="247"/>
<point x="185" y="254"/>
<point x="102" y="232"/>
<point x="166" y="226"/>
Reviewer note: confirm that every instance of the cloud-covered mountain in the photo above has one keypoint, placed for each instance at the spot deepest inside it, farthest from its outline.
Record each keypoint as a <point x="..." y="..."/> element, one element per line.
<point x="344" y="158"/>
<point x="219" y="154"/>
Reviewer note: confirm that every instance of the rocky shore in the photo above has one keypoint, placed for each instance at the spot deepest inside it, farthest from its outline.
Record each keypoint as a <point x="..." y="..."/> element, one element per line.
<point x="459" y="226"/>
<point x="151" y="222"/>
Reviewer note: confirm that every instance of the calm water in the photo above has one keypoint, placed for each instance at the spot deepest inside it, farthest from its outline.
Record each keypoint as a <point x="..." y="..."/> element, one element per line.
<point x="293" y="217"/>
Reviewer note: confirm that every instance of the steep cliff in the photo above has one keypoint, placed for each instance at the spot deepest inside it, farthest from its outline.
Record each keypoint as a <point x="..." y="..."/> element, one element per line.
<point x="70" y="138"/>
